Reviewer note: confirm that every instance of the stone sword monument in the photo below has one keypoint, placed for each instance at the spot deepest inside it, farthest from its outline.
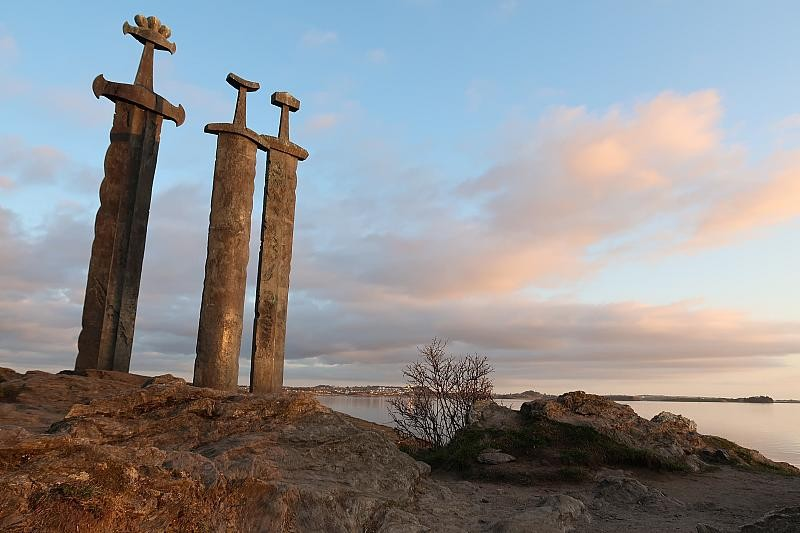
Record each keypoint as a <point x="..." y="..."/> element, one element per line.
<point x="219" y="335"/>
<point x="275" y="257"/>
<point x="115" y="267"/>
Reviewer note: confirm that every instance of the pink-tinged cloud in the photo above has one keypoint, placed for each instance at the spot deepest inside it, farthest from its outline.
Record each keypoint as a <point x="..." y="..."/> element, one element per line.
<point x="324" y="121"/>
<point x="771" y="200"/>
<point x="571" y="183"/>
<point x="393" y="253"/>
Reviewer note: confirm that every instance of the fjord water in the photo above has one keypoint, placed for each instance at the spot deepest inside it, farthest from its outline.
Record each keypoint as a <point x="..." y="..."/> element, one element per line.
<point x="773" y="429"/>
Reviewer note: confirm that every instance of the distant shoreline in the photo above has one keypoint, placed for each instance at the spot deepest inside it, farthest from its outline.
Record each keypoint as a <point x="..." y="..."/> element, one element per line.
<point x="692" y="399"/>
<point x="393" y="390"/>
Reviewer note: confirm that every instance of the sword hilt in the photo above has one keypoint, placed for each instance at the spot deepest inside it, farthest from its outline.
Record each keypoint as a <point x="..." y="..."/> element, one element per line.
<point x="243" y="87"/>
<point x="153" y="35"/>
<point x="287" y="103"/>
<point x="239" y="124"/>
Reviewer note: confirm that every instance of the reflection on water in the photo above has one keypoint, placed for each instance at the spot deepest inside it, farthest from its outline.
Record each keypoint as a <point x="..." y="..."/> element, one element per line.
<point x="374" y="409"/>
<point x="773" y="429"/>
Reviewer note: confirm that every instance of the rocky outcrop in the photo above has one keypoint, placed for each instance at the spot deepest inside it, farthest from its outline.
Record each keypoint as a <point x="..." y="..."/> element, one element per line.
<point x="161" y="455"/>
<point x="670" y="437"/>
<point x="665" y="436"/>
<point x="37" y="399"/>
<point x="671" y="423"/>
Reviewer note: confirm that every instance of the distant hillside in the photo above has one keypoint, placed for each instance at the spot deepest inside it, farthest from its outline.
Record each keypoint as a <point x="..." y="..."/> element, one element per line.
<point x="527" y="395"/>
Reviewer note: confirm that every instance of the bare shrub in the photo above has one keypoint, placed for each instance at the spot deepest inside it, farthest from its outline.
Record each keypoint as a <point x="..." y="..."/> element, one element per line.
<point x="442" y="391"/>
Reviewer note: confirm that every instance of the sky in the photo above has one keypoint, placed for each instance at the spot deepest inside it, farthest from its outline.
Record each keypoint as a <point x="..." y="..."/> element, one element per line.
<point x="599" y="196"/>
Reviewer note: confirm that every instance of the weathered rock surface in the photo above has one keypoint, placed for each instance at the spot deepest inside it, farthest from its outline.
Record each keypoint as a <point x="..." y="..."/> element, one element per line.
<point x="160" y="455"/>
<point x="553" y="514"/>
<point x="37" y="399"/>
<point x="669" y="422"/>
<point x="622" y="489"/>
<point x="781" y="521"/>
<point x="116" y="452"/>
<point x="495" y="457"/>
<point x="668" y="436"/>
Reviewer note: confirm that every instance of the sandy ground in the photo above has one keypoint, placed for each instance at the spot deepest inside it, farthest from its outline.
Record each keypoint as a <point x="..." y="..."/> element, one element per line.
<point x="726" y="499"/>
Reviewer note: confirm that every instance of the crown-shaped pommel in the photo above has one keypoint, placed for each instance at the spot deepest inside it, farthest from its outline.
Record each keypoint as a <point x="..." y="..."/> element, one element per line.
<point x="150" y="30"/>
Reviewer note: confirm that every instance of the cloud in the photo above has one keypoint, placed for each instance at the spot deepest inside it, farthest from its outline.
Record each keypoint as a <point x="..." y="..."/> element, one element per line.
<point x="32" y="164"/>
<point x="755" y="205"/>
<point x="24" y="164"/>
<point x="565" y="187"/>
<point x="628" y="337"/>
<point x="321" y="122"/>
<point x="314" y="37"/>
<point x="8" y="46"/>
<point x="507" y="7"/>
<point x="377" y="56"/>
<point x="390" y="252"/>
<point x="79" y="105"/>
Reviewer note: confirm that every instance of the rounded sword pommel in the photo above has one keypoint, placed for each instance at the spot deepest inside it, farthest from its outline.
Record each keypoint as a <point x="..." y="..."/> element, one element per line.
<point x="150" y="30"/>
<point x="281" y="99"/>
<point x="240" y="83"/>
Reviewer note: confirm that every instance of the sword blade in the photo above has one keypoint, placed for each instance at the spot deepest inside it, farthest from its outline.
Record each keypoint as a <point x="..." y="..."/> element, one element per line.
<point x="115" y="267"/>
<point x="274" y="265"/>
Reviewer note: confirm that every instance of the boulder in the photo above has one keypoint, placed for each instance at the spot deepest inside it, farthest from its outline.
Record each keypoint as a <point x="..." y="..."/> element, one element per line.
<point x="615" y="489"/>
<point x="488" y="414"/>
<point x="552" y="514"/>
<point x="672" y="423"/>
<point x="494" y="457"/>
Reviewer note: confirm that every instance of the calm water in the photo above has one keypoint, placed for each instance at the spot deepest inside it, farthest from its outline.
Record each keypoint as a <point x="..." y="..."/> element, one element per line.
<point x="773" y="429"/>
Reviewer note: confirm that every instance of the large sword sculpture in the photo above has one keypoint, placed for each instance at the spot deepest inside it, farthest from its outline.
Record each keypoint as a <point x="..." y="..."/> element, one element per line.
<point x="115" y="267"/>
<point x="275" y="256"/>
<point x="219" y="335"/>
